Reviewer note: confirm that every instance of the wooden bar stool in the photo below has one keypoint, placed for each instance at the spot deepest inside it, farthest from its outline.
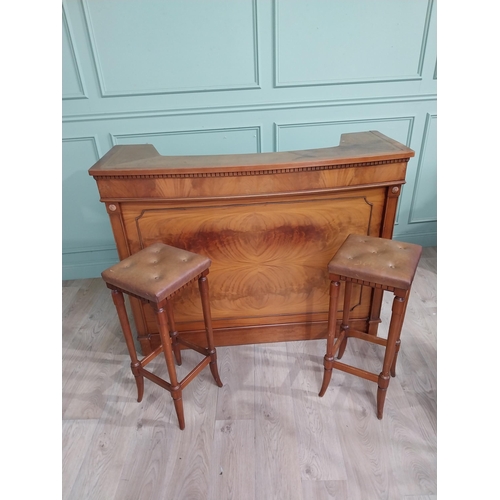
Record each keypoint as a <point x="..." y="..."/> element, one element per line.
<point x="154" y="275"/>
<point x="380" y="264"/>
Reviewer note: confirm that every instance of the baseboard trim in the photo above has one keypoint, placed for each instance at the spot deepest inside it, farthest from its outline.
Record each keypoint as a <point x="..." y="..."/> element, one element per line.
<point x="87" y="263"/>
<point x="423" y="239"/>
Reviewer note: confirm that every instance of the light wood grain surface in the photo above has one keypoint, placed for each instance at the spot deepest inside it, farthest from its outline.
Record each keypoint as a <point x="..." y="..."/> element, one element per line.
<point x="265" y="434"/>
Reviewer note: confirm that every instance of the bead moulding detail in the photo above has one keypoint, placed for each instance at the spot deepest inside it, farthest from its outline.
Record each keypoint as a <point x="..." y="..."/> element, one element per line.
<point x="252" y="172"/>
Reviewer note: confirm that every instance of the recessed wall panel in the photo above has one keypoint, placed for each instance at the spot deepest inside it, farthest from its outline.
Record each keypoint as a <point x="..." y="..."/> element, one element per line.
<point x="173" y="46"/>
<point x="198" y="142"/>
<point x="322" y="42"/>
<point x="85" y="223"/>
<point x="72" y="86"/>
<point x="424" y="202"/>
<point x="294" y="136"/>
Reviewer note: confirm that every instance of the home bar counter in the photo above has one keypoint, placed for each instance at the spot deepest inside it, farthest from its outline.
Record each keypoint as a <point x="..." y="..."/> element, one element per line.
<point x="270" y="223"/>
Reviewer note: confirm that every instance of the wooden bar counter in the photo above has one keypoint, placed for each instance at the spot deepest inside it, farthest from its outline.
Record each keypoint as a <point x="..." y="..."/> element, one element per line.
<point x="270" y="223"/>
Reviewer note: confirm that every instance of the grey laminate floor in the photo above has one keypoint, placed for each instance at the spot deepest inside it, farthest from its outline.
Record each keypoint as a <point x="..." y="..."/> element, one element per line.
<point x="266" y="434"/>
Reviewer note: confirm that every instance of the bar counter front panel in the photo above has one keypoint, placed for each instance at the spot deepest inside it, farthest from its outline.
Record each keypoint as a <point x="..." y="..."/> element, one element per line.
<point x="270" y="223"/>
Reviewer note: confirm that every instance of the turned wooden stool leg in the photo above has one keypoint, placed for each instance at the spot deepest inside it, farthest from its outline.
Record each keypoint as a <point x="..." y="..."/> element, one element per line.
<point x="398" y="309"/>
<point x="127" y="333"/>
<point x="345" y="317"/>
<point x="205" y="303"/>
<point x="398" y="342"/>
<point x="330" y="348"/>
<point x="174" y="333"/>
<point x="176" y="391"/>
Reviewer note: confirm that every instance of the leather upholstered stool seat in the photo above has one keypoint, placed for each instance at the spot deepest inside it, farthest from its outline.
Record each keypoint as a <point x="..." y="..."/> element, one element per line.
<point x="380" y="263"/>
<point x="154" y="275"/>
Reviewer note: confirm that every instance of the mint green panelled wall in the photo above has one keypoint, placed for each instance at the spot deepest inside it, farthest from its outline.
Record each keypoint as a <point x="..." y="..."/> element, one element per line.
<point x="241" y="76"/>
